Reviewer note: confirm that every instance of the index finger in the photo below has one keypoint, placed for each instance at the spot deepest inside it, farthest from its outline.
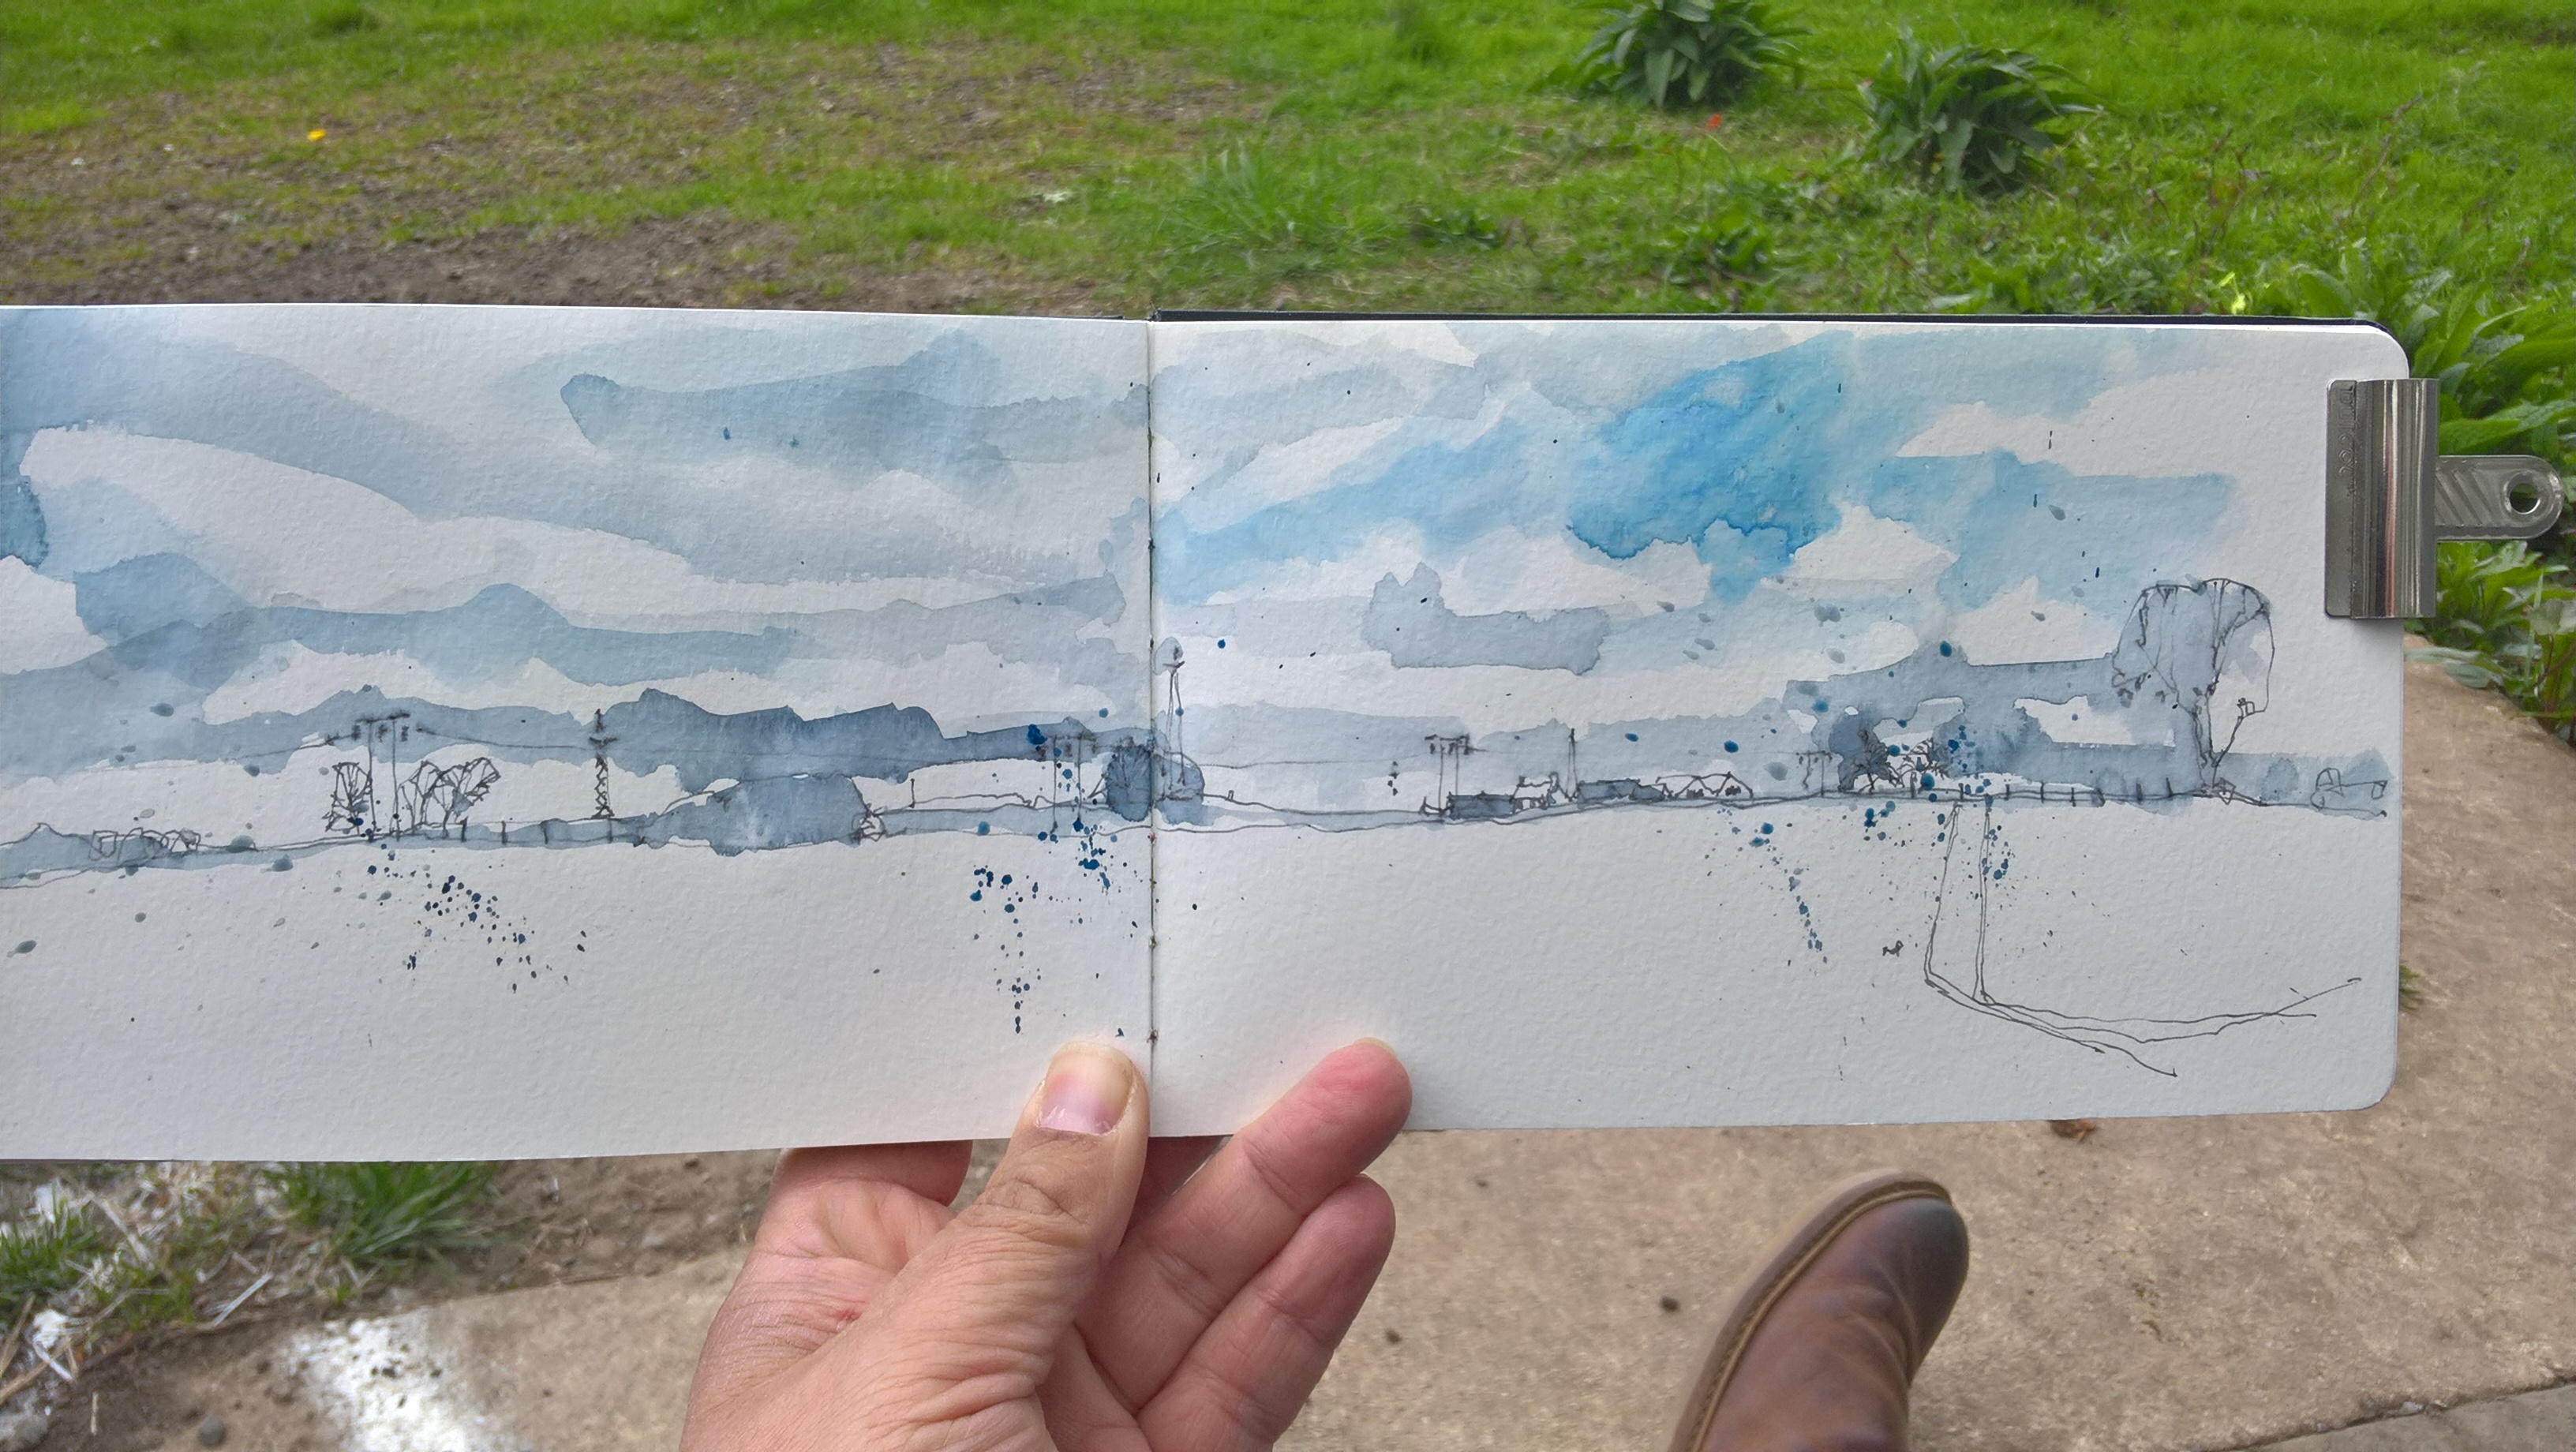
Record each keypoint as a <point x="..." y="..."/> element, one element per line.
<point x="866" y="1202"/>
<point x="1184" y="1263"/>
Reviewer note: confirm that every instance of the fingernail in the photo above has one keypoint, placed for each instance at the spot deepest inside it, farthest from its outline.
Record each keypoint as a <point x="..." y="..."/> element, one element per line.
<point x="1086" y="1090"/>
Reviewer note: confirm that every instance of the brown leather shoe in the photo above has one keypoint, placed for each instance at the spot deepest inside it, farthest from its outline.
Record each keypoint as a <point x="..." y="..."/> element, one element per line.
<point x="1820" y="1350"/>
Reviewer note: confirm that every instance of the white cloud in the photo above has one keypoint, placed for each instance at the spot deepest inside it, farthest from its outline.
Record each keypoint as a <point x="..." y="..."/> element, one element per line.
<point x="1508" y="570"/>
<point x="2076" y="722"/>
<point x="1500" y="570"/>
<point x="277" y="534"/>
<point x="1488" y="698"/>
<point x="289" y="678"/>
<point x="1350" y="577"/>
<point x="1864" y="554"/>
<point x="1176" y="343"/>
<point x="43" y="629"/>
<point x="466" y="369"/>
<point x="2160" y="426"/>
<point x="2018" y="626"/>
<point x="1278" y="473"/>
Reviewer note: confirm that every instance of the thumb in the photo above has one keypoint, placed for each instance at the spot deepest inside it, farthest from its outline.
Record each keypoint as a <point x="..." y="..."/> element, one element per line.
<point x="992" y="1295"/>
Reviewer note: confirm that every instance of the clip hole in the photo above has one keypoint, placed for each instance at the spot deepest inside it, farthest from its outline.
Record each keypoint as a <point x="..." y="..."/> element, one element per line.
<point x="2522" y="495"/>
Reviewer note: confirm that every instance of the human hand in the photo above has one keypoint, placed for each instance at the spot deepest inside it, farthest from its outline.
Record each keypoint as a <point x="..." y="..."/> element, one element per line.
<point x="1098" y="1296"/>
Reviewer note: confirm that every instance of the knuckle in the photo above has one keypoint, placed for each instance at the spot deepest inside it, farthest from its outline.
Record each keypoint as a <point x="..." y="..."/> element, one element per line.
<point x="1186" y="1280"/>
<point x="1261" y="1158"/>
<point x="1030" y="1209"/>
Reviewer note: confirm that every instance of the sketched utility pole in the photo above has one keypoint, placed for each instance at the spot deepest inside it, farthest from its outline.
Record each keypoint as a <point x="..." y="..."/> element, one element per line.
<point x="600" y="741"/>
<point x="356" y="799"/>
<point x="1172" y="667"/>
<point x="1448" y="765"/>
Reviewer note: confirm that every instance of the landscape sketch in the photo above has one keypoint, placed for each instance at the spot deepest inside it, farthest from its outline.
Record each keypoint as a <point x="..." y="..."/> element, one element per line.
<point x="654" y="719"/>
<point x="440" y="731"/>
<point x="1937" y="720"/>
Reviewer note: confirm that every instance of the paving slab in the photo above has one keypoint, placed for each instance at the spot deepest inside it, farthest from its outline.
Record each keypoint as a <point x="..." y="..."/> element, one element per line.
<point x="2541" y="1421"/>
<point x="2154" y="1284"/>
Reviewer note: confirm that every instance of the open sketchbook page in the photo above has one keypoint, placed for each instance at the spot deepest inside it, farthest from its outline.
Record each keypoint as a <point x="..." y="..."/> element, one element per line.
<point x="484" y="731"/>
<point x="1708" y="722"/>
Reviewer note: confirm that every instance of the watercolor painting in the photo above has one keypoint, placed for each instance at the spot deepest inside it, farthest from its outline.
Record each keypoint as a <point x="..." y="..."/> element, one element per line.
<point x="419" y="644"/>
<point x="594" y="731"/>
<point x="1928" y="670"/>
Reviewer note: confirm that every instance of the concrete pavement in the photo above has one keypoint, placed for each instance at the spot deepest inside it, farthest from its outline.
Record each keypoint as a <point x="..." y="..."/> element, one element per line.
<point x="2541" y="1421"/>
<point x="2172" y="1284"/>
<point x="2160" y="1284"/>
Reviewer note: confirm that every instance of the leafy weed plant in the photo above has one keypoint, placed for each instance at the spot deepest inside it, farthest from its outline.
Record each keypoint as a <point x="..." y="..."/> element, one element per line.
<point x="1729" y="244"/>
<point x="2071" y="276"/>
<point x="378" y="1216"/>
<point x="1455" y="226"/>
<point x="2504" y="618"/>
<point x="1970" y="117"/>
<point x="1695" y="52"/>
<point x="2504" y="371"/>
<point x="2504" y="615"/>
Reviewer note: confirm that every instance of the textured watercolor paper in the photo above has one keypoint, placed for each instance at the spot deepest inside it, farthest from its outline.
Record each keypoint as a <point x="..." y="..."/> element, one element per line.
<point x="1744" y="722"/>
<point x="488" y="731"/>
<point x="434" y="731"/>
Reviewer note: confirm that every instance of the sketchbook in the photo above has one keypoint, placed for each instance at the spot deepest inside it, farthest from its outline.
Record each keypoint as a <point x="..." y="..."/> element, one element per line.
<point x="481" y="732"/>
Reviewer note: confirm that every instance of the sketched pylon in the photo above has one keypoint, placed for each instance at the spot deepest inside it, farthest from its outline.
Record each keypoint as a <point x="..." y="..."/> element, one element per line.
<point x="600" y="741"/>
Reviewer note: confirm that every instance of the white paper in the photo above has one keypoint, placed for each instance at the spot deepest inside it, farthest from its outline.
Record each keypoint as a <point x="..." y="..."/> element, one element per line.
<point x="487" y="731"/>
<point x="1712" y="722"/>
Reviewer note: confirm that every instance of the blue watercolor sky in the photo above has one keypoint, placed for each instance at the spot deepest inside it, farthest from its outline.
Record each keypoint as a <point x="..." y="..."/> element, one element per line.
<point x="210" y="512"/>
<point x="1662" y="518"/>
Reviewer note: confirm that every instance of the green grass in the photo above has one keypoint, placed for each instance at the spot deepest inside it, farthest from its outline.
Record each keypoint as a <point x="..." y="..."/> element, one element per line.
<point x="376" y="1216"/>
<point x="43" y="1256"/>
<point x="2239" y="138"/>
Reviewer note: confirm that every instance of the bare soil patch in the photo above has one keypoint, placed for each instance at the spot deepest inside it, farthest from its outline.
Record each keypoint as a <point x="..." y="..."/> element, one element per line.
<point x="696" y="262"/>
<point x="873" y="177"/>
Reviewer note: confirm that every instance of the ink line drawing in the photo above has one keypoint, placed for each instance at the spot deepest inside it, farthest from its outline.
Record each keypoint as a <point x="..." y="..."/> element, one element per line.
<point x="1525" y="585"/>
<point x="2130" y="1038"/>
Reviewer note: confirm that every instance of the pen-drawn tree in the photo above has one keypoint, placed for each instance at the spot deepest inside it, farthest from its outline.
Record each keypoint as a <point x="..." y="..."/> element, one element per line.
<point x="441" y="796"/>
<point x="353" y="798"/>
<point x="2201" y="651"/>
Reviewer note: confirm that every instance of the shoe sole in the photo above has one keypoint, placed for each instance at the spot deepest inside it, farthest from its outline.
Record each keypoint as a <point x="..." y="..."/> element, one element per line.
<point x="1831" y="1216"/>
